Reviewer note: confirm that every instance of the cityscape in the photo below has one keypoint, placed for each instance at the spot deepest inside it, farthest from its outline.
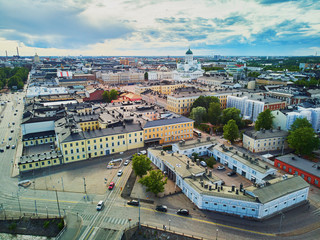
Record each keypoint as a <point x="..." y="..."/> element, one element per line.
<point x="160" y="120"/>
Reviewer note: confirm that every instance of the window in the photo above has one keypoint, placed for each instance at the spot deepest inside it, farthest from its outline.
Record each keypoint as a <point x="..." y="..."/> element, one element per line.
<point x="253" y="210"/>
<point x="294" y="199"/>
<point x="302" y="175"/>
<point x="24" y="166"/>
<point x="309" y="179"/>
<point x="30" y="165"/>
<point x="77" y="150"/>
<point x="290" y="170"/>
<point x="54" y="161"/>
<point x="94" y="141"/>
<point x="316" y="182"/>
<point x="37" y="164"/>
<point x="284" y="167"/>
<point x="233" y="206"/>
<point x="67" y="159"/>
<point x="206" y="202"/>
<point x="66" y="152"/>
<point x="106" y="139"/>
<point x="279" y="165"/>
<point x="266" y="210"/>
<point x="285" y="203"/>
<point x="100" y="139"/>
<point x="77" y="144"/>
<point x="215" y="204"/>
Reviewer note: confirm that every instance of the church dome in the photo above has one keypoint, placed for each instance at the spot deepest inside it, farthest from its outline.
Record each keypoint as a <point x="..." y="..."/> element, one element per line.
<point x="189" y="52"/>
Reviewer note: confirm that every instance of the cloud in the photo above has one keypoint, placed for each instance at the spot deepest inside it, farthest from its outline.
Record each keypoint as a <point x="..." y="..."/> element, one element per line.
<point x="53" y="24"/>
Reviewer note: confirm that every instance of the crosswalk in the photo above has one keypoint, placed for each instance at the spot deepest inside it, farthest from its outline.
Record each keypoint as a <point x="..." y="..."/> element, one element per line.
<point x="316" y="212"/>
<point x="116" y="221"/>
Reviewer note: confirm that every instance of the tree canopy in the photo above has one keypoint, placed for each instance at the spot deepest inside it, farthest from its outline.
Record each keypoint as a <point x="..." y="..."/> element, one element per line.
<point x="13" y="77"/>
<point x="198" y="114"/>
<point x="214" y="113"/>
<point x="264" y="120"/>
<point x="141" y="164"/>
<point x="231" y="131"/>
<point x="154" y="181"/>
<point x="108" y="96"/>
<point x="231" y="113"/>
<point x="203" y="101"/>
<point x="300" y="123"/>
<point x="303" y="140"/>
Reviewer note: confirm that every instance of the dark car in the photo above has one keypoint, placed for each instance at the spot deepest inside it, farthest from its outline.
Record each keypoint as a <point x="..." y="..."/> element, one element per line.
<point x="184" y="212"/>
<point x="161" y="208"/>
<point x="232" y="173"/>
<point x="8" y="146"/>
<point x="1" y="150"/>
<point x="133" y="203"/>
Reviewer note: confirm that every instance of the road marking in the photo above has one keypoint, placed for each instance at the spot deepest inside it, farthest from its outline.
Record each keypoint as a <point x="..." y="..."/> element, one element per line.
<point x="48" y="200"/>
<point x="89" y="233"/>
<point x="212" y="223"/>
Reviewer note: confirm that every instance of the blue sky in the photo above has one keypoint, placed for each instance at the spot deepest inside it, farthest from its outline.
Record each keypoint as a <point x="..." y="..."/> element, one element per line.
<point x="160" y="28"/>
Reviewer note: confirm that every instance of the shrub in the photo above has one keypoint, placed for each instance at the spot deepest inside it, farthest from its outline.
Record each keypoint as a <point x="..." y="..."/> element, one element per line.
<point x="61" y="224"/>
<point x="12" y="226"/>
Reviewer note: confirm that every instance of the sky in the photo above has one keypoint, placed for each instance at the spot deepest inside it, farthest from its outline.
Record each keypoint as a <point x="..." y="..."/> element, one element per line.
<point x="160" y="28"/>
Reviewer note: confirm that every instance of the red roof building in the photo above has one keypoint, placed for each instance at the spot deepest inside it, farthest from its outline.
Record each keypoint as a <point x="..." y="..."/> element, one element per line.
<point x="95" y="96"/>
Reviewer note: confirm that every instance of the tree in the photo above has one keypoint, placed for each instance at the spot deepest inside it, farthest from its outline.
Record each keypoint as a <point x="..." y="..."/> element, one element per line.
<point x="113" y="94"/>
<point x="231" y="131"/>
<point x="210" y="162"/>
<point x="264" y="120"/>
<point x="214" y="113"/>
<point x="231" y="113"/>
<point x="146" y="76"/>
<point x="106" y="96"/>
<point x="300" y="123"/>
<point x="303" y="140"/>
<point x="203" y="101"/>
<point x="141" y="164"/>
<point x="154" y="181"/>
<point x="198" y="114"/>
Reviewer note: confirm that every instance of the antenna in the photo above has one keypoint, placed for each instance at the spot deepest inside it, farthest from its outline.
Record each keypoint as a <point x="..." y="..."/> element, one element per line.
<point x="6" y="55"/>
<point x="17" y="51"/>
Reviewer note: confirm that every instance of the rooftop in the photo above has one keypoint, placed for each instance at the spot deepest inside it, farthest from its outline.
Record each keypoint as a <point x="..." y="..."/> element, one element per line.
<point x="170" y="121"/>
<point x="195" y="143"/>
<point x="263" y="134"/>
<point x="301" y="163"/>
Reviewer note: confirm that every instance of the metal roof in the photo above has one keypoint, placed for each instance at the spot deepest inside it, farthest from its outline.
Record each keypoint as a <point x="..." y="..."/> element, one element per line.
<point x="163" y="122"/>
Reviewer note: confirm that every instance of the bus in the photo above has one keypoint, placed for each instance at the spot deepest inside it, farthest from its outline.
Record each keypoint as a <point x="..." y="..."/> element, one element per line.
<point x="196" y="133"/>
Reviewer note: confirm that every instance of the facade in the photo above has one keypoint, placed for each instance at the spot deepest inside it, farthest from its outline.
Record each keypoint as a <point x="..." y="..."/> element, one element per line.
<point x="159" y="75"/>
<point x="159" y="87"/>
<point x="168" y="130"/>
<point x="189" y="70"/>
<point x="295" y="165"/>
<point x="216" y="80"/>
<point x="252" y="105"/>
<point x="251" y="202"/>
<point x="265" y="140"/>
<point x="122" y="78"/>
<point x="38" y="138"/>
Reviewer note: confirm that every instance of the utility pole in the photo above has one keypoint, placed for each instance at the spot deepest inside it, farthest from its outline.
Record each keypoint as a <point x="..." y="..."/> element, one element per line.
<point x="58" y="203"/>
<point x="84" y="185"/>
<point x="19" y="204"/>
<point x="62" y="184"/>
<point x="281" y="217"/>
<point x="139" y="214"/>
<point x="47" y="212"/>
<point x="35" y="206"/>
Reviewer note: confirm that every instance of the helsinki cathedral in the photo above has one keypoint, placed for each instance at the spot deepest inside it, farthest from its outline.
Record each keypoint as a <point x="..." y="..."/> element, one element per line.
<point x="188" y="70"/>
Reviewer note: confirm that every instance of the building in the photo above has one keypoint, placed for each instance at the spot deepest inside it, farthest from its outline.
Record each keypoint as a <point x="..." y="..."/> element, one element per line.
<point x="199" y="146"/>
<point x="292" y="164"/>
<point x="257" y="202"/>
<point x="119" y="78"/>
<point x="189" y="70"/>
<point x="265" y="140"/>
<point x="161" y="87"/>
<point x="215" y="80"/>
<point x="247" y="166"/>
<point x="95" y="96"/>
<point x="251" y="105"/>
<point x="165" y="131"/>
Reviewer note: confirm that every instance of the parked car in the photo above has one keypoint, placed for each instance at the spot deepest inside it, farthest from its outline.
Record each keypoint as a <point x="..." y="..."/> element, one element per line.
<point x="133" y="203"/>
<point x="13" y="146"/>
<point x="126" y="162"/>
<point x="120" y="173"/>
<point x="184" y="212"/>
<point x="111" y="186"/>
<point x="12" y="130"/>
<point x="221" y="168"/>
<point x="1" y="149"/>
<point x="232" y="173"/>
<point x="203" y="163"/>
<point x="161" y="208"/>
<point x="143" y="152"/>
<point x="10" y="138"/>
<point x="100" y="205"/>
<point x="8" y="146"/>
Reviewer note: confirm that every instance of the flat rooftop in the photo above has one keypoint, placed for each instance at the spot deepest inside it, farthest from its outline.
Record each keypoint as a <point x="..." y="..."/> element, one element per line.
<point x="196" y="143"/>
<point x="263" y="134"/>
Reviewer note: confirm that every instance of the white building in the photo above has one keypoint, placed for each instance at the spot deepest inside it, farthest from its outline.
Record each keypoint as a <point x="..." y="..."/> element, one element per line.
<point x="44" y="91"/>
<point x="256" y="202"/>
<point x="189" y="70"/>
<point x="199" y="146"/>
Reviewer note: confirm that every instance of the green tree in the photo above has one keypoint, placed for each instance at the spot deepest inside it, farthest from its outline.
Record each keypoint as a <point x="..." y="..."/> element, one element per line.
<point x="106" y="96"/>
<point x="141" y="164"/>
<point x="231" y="131"/>
<point x="203" y="101"/>
<point x="154" y="181"/>
<point x="264" y="120"/>
<point x="303" y="140"/>
<point x="210" y="162"/>
<point x="214" y="113"/>
<point x="198" y="114"/>
<point x="231" y="113"/>
<point x="146" y="76"/>
<point x="113" y="94"/>
<point x="300" y="123"/>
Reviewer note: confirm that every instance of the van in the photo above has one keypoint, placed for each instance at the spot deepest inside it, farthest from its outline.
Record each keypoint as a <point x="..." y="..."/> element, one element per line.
<point x="100" y="205"/>
<point x="143" y="152"/>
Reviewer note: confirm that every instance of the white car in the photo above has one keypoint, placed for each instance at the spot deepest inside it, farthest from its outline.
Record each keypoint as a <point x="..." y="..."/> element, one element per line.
<point x="221" y="168"/>
<point x="120" y="173"/>
<point x="126" y="162"/>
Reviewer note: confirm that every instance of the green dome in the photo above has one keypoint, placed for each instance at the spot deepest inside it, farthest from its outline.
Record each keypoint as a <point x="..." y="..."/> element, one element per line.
<point x="189" y="52"/>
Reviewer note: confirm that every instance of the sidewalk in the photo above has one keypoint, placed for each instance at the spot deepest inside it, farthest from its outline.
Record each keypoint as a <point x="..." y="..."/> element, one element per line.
<point x="74" y="223"/>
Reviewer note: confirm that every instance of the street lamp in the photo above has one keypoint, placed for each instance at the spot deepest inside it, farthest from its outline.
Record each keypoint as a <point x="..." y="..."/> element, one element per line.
<point x="281" y="217"/>
<point x="217" y="234"/>
<point x="169" y="224"/>
<point x="47" y="212"/>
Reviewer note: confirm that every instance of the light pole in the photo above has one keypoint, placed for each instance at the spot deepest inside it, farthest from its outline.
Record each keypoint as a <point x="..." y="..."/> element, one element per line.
<point x="47" y="212"/>
<point x="281" y="217"/>
<point x="139" y="213"/>
<point x="217" y="234"/>
<point x="19" y="203"/>
<point x="58" y="203"/>
<point x="84" y="185"/>
<point x="169" y="224"/>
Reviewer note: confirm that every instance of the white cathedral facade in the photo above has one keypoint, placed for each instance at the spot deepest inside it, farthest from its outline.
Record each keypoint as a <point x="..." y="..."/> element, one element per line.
<point x="189" y="70"/>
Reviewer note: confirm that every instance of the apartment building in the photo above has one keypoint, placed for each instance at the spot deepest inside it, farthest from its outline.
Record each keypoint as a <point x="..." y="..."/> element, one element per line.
<point x="168" y="130"/>
<point x="165" y="89"/>
<point x="119" y="78"/>
<point x="265" y="140"/>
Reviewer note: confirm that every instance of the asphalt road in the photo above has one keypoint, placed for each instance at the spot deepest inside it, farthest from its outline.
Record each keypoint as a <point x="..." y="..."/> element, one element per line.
<point x="116" y="213"/>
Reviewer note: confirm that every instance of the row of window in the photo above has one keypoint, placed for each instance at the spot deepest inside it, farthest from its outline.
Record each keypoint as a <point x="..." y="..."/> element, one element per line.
<point x="84" y="156"/>
<point x="37" y="164"/>
<point x="39" y="141"/>
<point x="224" y="205"/>
<point x="89" y="123"/>
<point x="169" y="127"/>
<point x="309" y="179"/>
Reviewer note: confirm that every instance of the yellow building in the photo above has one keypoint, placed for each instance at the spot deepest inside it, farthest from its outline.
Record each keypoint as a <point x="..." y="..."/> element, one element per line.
<point x="168" y="130"/>
<point x="76" y="146"/>
<point x="181" y="103"/>
<point x="38" y="138"/>
<point x="87" y="122"/>
<point x="37" y="161"/>
<point x="163" y="89"/>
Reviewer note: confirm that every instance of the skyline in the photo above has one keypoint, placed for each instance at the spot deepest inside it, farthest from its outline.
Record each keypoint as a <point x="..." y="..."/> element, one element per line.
<point x="160" y="28"/>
